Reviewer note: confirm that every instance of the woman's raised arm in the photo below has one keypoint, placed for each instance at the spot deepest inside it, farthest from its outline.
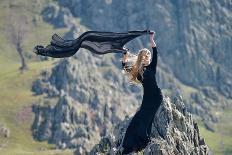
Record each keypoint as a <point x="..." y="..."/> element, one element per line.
<point x="152" y="42"/>
<point x="153" y="63"/>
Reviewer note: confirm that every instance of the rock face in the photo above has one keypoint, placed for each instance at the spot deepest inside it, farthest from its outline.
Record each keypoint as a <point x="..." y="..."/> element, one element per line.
<point x="81" y="104"/>
<point x="190" y="36"/>
<point x="174" y="132"/>
<point x="84" y="96"/>
<point x="194" y="37"/>
<point x="65" y="124"/>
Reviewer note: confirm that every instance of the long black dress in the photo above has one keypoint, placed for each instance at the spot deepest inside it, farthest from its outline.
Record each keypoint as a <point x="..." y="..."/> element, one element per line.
<point x="138" y="132"/>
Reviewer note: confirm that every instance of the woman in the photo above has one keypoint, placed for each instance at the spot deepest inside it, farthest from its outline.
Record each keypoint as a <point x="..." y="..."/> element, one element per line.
<point x="142" y="71"/>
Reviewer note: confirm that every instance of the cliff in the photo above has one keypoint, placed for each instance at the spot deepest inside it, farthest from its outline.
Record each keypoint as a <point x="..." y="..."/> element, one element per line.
<point x="79" y="103"/>
<point x="88" y="92"/>
<point x="193" y="40"/>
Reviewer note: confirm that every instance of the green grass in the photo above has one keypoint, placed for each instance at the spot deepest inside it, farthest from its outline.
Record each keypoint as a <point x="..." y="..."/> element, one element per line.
<point x="16" y="97"/>
<point x="15" y="110"/>
<point x="37" y="34"/>
<point x="220" y="141"/>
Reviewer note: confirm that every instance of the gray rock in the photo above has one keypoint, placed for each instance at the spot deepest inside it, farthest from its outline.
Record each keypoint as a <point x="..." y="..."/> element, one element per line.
<point x="61" y="124"/>
<point x="189" y="27"/>
<point x="173" y="132"/>
<point x="59" y="17"/>
<point x="80" y="151"/>
<point x="78" y="107"/>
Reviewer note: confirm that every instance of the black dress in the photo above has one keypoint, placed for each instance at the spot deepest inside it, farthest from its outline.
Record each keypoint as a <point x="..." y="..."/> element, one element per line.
<point x="138" y="132"/>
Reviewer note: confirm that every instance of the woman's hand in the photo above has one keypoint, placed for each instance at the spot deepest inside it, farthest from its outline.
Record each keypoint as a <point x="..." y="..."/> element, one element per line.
<point x="152" y="39"/>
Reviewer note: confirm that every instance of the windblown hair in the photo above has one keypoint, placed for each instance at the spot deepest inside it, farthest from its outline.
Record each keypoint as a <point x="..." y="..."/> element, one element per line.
<point x="134" y="66"/>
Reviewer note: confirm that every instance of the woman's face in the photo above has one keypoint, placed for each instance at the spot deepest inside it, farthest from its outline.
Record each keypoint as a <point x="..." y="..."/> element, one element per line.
<point x="146" y="58"/>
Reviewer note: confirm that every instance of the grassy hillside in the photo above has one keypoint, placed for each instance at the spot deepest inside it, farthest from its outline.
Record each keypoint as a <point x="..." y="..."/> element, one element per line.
<point x="15" y="95"/>
<point x="15" y="109"/>
<point x="220" y="142"/>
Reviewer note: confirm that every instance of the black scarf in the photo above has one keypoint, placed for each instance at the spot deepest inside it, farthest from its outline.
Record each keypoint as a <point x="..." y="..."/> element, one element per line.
<point x="94" y="41"/>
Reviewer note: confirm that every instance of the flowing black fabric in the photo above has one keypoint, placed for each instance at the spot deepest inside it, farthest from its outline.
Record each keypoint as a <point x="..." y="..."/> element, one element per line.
<point x="94" y="41"/>
<point x="138" y="132"/>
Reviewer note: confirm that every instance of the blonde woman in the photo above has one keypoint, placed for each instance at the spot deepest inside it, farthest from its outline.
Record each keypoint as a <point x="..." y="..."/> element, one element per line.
<point x="141" y="69"/>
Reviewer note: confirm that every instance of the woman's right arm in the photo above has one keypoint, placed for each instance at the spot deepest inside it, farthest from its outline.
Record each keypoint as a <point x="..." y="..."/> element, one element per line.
<point x="153" y="63"/>
<point x="152" y="42"/>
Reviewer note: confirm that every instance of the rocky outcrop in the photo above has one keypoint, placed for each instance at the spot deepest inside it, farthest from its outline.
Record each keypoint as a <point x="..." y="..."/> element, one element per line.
<point x="67" y="124"/>
<point x="174" y="132"/>
<point x="80" y="102"/>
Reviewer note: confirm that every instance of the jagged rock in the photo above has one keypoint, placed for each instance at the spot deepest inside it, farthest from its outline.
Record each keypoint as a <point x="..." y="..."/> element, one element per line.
<point x="173" y="132"/>
<point x="80" y="151"/>
<point x="65" y="124"/>
<point x="43" y="86"/>
<point x="39" y="88"/>
<point x="83" y="102"/>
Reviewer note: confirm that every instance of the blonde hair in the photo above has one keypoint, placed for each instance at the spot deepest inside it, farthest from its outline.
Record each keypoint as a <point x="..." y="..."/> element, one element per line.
<point x="134" y="66"/>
